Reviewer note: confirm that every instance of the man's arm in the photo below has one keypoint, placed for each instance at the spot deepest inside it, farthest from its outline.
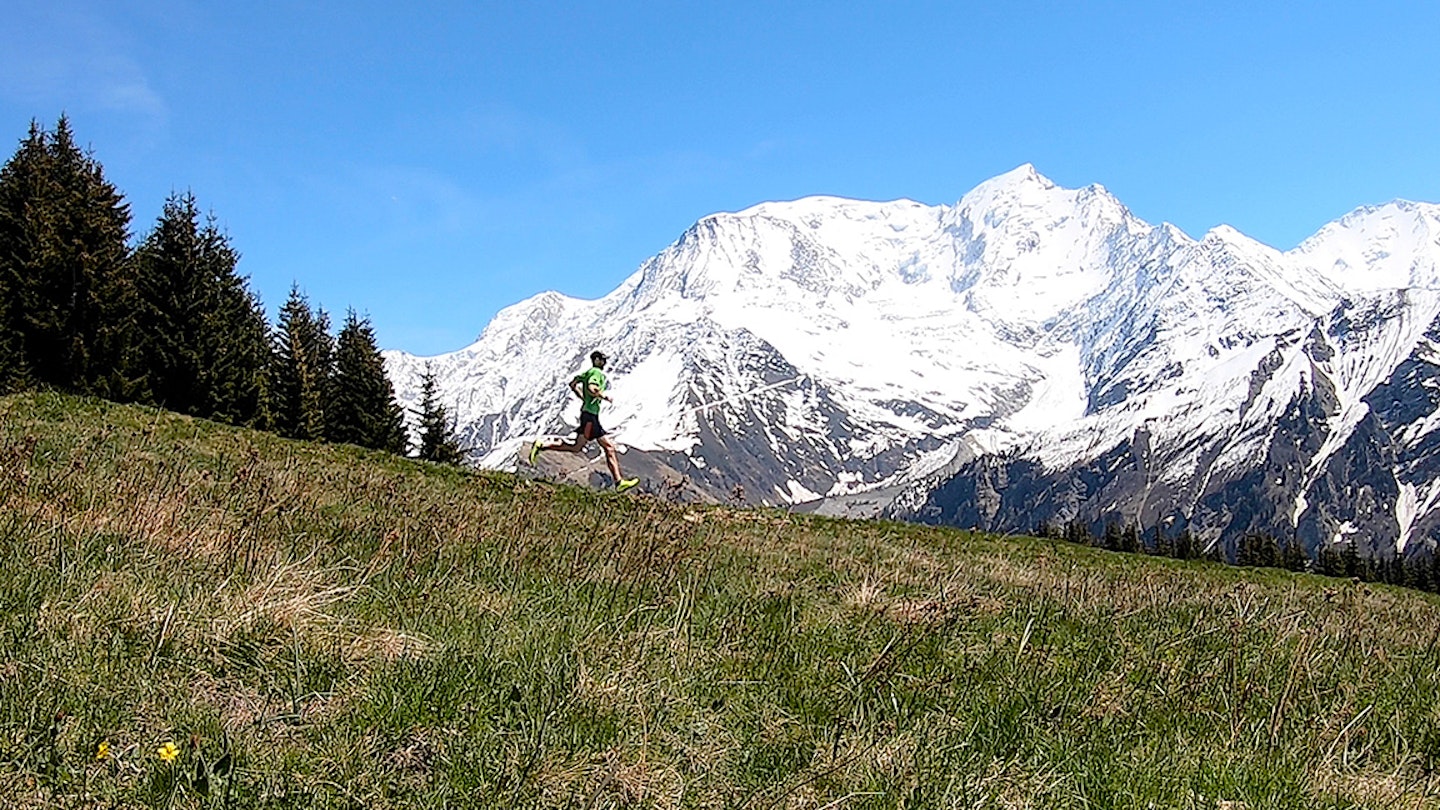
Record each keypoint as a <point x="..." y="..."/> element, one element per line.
<point x="589" y="385"/>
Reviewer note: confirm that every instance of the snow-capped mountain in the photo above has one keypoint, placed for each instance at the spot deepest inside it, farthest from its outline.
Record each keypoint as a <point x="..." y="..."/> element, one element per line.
<point x="1030" y="354"/>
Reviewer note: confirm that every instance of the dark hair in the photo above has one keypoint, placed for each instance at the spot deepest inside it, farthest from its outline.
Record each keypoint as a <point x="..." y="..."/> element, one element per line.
<point x="598" y="357"/>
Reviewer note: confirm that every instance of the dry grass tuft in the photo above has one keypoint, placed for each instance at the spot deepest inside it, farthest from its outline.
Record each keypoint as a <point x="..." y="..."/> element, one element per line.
<point x="385" y="644"/>
<point x="1393" y="791"/>
<point x="643" y="782"/>
<point x="867" y="595"/>
<point x="623" y="776"/>
<point x="293" y="598"/>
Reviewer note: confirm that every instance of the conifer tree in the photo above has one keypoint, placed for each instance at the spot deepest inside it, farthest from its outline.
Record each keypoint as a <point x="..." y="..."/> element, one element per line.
<point x="302" y="356"/>
<point x="175" y="301"/>
<point x="437" y="434"/>
<point x="240" y="383"/>
<point x="1130" y="538"/>
<point x="1350" y="559"/>
<point x="1111" y="539"/>
<point x="1260" y="550"/>
<point x="234" y="344"/>
<point x="1269" y="553"/>
<point x="204" y="339"/>
<point x="1418" y="573"/>
<point x="362" y="408"/>
<point x="12" y="371"/>
<point x="25" y="196"/>
<point x="1163" y="545"/>
<point x="1185" y="546"/>
<point x="1329" y="562"/>
<point x="1393" y="571"/>
<point x="1292" y="555"/>
<point x="63" y="234"/>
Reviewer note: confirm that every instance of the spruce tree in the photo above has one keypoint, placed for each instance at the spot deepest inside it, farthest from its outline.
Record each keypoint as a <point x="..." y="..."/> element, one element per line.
<point x="1130" y="538"/>
<point x="1111" y="540"/>
<point x="437" y="435"/>
<point x="1350" y="559"/>
<point x="1329" y="562"/>
<point x="26" y="196"/>
<point x="1417" y="573"/>
<point x="235" y="337"/>
<point x="300" y="377"/>
<point x="1185" y="546"/>
<point x="1292" y="555"/>
<point x="1163" y="545"/>
<point x="63" y="258"/>
<point x="362" y="408"/>
<point x="12" y="367"/>
<point x="1261" y="550"/>
<point x="175" y="301"/>
<point x="204" y="338"/>
<point x="240" y="383"/>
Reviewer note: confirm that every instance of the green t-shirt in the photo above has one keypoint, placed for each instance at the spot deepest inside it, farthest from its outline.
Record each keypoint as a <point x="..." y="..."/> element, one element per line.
<point x="596" y="377"/>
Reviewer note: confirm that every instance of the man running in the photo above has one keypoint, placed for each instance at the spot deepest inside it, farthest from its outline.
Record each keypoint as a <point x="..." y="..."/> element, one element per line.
<point x="590" y="386"/>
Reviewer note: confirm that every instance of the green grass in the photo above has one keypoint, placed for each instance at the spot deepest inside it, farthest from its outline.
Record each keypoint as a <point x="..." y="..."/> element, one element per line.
<point x="318" y="626"/>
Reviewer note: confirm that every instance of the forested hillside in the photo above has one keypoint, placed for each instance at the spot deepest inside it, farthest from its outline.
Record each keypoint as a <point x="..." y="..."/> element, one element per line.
<point x="169" y="320"/>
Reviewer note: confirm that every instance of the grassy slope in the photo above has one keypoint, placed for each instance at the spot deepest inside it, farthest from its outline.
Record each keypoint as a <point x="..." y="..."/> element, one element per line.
<point x="349" y="629"/>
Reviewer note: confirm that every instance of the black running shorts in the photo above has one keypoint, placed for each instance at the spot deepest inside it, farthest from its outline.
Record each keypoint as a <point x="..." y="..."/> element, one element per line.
<point x="593" y="420"/>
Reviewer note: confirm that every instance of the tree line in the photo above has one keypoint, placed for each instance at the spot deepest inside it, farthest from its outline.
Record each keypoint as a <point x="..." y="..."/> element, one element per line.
<point x="169" y="322"/>
<point x="1421" y="572"/>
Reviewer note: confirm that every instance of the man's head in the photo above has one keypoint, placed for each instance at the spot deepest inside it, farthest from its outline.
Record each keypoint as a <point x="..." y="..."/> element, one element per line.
<point x="598" y="358"/>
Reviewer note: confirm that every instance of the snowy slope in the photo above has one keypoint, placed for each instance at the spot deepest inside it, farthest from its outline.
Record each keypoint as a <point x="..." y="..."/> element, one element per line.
<point x="827" y="346"/>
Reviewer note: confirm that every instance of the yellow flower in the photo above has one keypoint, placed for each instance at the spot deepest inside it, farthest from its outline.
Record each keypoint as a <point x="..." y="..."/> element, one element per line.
<point x="168" y="752"/>
<point x="103" y="750"/>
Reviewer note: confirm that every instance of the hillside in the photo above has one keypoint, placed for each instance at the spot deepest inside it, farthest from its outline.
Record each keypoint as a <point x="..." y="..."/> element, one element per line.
<point x="321" y="626"/>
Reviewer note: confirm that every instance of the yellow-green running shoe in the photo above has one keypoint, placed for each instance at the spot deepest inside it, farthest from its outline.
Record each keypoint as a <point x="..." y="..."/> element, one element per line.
<point x="626" y="484"/>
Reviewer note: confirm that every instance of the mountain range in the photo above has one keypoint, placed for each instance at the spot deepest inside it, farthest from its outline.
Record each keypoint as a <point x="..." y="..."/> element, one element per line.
<point x="1030" y="355"/>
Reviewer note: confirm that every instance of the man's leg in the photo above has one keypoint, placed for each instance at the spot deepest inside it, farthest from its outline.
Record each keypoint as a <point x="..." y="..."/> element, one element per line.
<point x="575" y="445"/>
<point x="613" y="460"/>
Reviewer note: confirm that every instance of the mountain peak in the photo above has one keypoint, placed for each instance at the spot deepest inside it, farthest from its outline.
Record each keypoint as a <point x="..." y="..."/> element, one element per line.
<point x="1025" y="173"/>
<point x="1017" y="182"/>
<point x="1376" y="247"/>
<point x="1025" y="189"/>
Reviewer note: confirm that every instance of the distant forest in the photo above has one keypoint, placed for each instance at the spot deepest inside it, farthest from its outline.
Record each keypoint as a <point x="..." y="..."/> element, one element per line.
<point x="1258" y="551"/>
<point x="167" y="320"/>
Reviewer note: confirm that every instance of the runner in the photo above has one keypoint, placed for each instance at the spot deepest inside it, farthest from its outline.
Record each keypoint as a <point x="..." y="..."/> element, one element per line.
<point x="590" y="386"/>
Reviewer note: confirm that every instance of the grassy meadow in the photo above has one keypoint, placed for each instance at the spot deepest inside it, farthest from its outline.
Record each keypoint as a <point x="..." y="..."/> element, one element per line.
<point x="198" y="616"/>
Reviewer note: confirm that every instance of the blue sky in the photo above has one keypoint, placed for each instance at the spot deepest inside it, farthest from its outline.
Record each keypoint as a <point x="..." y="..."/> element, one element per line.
<point x="429" y="165"/>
